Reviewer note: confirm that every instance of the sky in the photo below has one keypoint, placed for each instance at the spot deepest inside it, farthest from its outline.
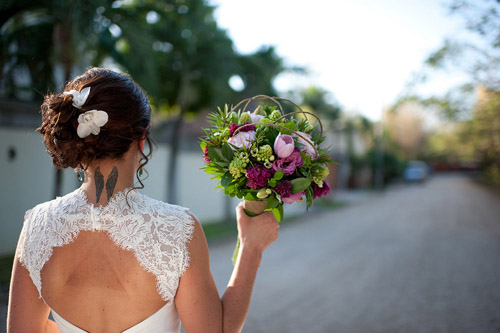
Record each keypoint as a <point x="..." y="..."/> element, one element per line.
<point x="362" y="51"/>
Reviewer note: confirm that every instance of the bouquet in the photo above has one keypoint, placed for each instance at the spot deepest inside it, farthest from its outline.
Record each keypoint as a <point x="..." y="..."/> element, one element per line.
<point x="266" y="157"/>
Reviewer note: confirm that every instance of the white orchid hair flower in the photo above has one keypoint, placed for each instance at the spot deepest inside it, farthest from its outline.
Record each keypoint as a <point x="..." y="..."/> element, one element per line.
<point x="79" y="97"/>
<point x="90" y="122"/>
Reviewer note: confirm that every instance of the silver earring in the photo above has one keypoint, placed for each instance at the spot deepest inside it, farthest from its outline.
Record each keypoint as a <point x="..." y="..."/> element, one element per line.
<point x="79" y="174"/>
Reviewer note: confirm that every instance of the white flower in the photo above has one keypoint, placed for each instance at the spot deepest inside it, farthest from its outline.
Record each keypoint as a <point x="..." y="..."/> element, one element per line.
<point x="242" y="139"/>
<point x="307" y="144"/>
<point x="91" y="122"/>
<point x="256" y="117"/>
<point x="79" y="98"/>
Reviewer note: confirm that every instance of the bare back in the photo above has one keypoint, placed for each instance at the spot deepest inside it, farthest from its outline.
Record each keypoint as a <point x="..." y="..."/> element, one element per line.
<point x="98" y="286"/>
<point x="107" y="268"/>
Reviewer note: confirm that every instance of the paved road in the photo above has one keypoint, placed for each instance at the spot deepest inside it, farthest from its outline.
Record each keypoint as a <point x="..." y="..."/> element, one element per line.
<point x="423" y="258"/>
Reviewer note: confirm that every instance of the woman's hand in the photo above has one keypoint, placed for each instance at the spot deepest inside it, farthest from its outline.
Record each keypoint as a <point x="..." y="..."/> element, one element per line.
<point x="256" y="232"/>
<point x="197" y="299"/>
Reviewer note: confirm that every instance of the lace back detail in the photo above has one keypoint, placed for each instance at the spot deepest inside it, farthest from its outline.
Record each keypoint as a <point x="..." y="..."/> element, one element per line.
<point x="156" y="232"/>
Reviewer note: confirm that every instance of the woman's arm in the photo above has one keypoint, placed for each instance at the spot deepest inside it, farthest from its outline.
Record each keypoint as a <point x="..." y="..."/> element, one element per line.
<point x="197" y="300"/>
<point x="27" y="312"/>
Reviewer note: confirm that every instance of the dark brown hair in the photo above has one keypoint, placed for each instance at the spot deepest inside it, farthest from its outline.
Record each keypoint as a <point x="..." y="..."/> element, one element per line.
<point x="129" y="117"/>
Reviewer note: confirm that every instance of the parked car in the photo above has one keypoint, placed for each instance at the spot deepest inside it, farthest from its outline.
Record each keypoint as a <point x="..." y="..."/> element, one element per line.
<point x="416" y="171"/>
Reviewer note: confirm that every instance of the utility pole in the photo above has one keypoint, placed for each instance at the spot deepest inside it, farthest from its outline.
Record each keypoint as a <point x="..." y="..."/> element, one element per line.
<point x="379" y="154"/>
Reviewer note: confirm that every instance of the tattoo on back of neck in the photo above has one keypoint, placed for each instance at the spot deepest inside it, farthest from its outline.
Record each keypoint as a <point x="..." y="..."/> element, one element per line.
<point x="99" y="184"/>
<point x="111" y="182"/>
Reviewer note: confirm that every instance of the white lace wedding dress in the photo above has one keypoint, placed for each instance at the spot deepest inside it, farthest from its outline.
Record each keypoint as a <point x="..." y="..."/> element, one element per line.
<point x="156" y="232"/>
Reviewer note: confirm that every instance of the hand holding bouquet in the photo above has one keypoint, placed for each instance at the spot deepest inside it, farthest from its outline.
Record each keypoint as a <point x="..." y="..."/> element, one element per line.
<point x="266" y="157"/>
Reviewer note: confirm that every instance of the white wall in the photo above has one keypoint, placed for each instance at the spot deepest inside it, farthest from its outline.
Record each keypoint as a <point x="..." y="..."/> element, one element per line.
<point x="195" y="189"/>
<point x="28" y="179"/>
<point x="25" y="181"/>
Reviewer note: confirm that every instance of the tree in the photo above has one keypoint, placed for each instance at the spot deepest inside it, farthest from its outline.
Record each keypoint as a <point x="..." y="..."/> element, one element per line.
<point x="317" y="100"/>
<point x="473" y="107"/>
<point x="405" y="126"/>
<point x="190" y="62"/>
<point x="258" y="70"/>
<point x="479" y="56"/>
<point x="39" y="37"/>
<point x="175" y="50"/>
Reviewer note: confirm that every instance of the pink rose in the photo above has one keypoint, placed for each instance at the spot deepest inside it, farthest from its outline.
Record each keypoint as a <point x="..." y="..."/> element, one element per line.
<point x="242" y="139"/>
<point x="293" y="197"/>
<point x="307" y="147"/>
<point x="283" y="145"/>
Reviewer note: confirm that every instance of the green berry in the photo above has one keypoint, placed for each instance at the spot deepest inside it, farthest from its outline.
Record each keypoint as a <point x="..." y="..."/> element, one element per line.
<point x="319" y="173"/>
<point x="265" y="152"/>
<point x="237" y="167"/>
<point x="245" y="117"/>
<point x="275" y="115"/>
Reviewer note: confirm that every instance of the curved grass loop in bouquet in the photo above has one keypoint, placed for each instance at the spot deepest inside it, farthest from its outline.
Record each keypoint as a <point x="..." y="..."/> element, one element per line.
<point x="266" y="155"/>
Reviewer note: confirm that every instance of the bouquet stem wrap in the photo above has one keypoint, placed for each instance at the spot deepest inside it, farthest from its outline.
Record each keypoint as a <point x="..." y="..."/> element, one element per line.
<point x="251" y="208"/>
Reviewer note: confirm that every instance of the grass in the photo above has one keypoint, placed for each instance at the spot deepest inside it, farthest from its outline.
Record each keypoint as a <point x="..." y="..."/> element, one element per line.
<point x="5" y="269"/>
<point x="330" y="204"/>
<point x="220" y="229"/>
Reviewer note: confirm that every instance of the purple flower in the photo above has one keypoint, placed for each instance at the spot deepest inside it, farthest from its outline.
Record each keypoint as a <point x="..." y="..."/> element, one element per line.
<point x="320" y="191"/>
<point x="287" y="197"/>
<point x="234" y="127"/>
<point x="258" y="177"/>
<point x="293" y="197"/>
<point x="289" y="164"/>
<point x="283" y="145"/>
<point x="283" y="189"/>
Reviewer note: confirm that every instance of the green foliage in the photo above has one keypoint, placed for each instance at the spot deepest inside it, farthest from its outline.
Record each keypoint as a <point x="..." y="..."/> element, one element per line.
<point x="440" y="57"/>
<point x="316" y="99"/>
<point x="218" y="230"/>
<point x="39" y="35"/>
<point x="229" y="163"/>
<point x="174" y="50"/>
<point x="300" y="184"/>
<point x="477" y="57"/>
<point x="474" y="142"/>
<point x="258" y="70"/>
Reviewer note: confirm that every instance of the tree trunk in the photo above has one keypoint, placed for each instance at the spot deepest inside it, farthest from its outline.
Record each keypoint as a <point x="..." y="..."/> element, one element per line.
<point x="174" y="139"/>
<point x="172" y="158"/>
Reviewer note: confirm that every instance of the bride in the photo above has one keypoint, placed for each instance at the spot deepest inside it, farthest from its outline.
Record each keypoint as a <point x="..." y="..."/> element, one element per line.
<point x="106" y="258"/>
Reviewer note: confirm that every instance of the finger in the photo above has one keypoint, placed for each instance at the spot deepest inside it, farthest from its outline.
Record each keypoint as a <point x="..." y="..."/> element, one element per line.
<point x="239" y="211"/>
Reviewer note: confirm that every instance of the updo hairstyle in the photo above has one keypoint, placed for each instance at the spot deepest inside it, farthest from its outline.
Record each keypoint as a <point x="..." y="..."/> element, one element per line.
<point x="129" y="116"/>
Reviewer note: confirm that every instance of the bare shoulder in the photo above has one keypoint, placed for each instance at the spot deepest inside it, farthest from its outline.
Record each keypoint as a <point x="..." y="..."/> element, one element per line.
<point x="197" y="244"/>
<point x="197" y="300"/>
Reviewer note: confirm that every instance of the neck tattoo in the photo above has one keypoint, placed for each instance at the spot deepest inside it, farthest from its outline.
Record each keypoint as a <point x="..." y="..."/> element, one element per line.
<point x="99" y="183"/>
<point x="111" y="182"/>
